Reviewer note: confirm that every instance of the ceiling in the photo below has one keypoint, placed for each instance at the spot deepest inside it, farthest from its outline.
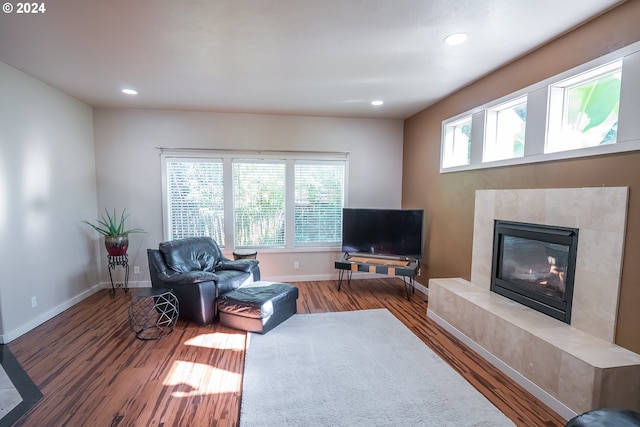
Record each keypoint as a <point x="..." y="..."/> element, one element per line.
<point x="307" y="57"/>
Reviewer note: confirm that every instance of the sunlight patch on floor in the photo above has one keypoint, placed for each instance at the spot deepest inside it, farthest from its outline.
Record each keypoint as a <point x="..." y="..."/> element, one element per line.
<point x="197" y="379"/>
<point x="219" y="340"/>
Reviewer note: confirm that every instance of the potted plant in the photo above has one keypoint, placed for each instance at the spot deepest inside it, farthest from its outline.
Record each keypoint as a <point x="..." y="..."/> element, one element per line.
<point x="116" y="238"/>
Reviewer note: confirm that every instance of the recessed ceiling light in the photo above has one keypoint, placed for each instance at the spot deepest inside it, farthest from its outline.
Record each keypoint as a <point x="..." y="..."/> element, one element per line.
<point x="456" y="38"/>
<point x="377" y="102"/>
<point x="130" y="91"/>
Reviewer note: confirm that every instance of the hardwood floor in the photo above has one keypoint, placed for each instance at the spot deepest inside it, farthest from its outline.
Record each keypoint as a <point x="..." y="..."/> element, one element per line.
<point x="92" y="370"/>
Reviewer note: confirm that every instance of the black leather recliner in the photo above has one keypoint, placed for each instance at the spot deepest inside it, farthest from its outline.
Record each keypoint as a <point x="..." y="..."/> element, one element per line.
<point x="197" y="272"/>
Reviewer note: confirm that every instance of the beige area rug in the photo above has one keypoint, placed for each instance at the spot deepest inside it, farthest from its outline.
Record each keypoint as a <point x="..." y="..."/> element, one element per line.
<point x="359" y="368"/>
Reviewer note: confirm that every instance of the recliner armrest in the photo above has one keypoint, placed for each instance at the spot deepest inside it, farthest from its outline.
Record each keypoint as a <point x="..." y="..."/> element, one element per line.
<point x="190" y="277"/>
<point x="240" y="265"/>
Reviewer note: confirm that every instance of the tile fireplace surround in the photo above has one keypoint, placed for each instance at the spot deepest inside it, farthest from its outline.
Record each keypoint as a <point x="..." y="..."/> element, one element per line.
<point x="572" y="368"/>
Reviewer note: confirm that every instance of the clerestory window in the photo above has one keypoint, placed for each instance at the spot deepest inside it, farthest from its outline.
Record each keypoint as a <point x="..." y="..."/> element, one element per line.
<point x="587" y="111"/>
<point x="583" y="110"/>
<point x="505" y="130"/>
<point x="457" y="143"/>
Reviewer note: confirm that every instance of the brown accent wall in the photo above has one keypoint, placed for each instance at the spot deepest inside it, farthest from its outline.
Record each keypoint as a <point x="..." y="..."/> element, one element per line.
<point x="448" y="199"/>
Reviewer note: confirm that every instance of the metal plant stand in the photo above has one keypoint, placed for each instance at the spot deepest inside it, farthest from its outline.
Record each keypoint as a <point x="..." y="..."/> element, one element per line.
<point x="123" y="261"/>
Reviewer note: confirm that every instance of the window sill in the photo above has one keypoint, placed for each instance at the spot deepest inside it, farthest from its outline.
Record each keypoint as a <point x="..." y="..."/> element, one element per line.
<point x="310" y="249"/>
<point x="619" y="147"/>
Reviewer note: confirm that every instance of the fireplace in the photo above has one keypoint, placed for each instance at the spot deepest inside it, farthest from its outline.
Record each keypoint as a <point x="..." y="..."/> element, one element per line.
<point x="535" y="265"/>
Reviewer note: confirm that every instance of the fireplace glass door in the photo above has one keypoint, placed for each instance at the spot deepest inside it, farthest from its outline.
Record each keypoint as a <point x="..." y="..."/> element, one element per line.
<point x="535" y="265"/>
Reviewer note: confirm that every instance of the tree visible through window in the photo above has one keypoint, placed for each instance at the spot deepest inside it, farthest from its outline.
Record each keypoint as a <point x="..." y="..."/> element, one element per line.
<point x="259" y="202"/>
<point x="573" y="114"/>
<point x="259" y="195"/>
<point x="584" y="110"/>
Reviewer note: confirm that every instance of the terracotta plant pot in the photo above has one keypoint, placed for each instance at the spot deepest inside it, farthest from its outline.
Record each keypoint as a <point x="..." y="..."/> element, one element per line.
<point x="116" y="245"/>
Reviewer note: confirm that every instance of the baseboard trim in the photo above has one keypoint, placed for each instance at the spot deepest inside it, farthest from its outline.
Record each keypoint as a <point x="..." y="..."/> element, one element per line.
<point x="516" y="376"/>
<point x="47" y="315"/>
<point x="11" y="335"/>
<point x="132" y="284"/>
<point x="284" y="279"/>
<point x="320" y="277"/>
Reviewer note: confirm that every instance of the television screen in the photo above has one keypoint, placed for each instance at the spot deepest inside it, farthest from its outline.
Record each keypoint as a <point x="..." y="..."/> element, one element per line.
<point x="382" y="232"/>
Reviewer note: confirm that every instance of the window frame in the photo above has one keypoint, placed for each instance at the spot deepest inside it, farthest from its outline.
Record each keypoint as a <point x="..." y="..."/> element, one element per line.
<point x="492" y="126"/>
<point x="278" y="168"/>
<point x="167" y="212"/>
<point x="307" y="162"/>
<point x="538" y="98"/>
<point x="559" y="103"/>
<point x="228" y="156"/>
<point x="449" y="131"/>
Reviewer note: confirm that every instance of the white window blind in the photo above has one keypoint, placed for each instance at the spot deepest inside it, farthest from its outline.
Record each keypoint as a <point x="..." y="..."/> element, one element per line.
<point x="195" y="198"/>
<point x="319" y="199"/>
<point x="259" y="202"/>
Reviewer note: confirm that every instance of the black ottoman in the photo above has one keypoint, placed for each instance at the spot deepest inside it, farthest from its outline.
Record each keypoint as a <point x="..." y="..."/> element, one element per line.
<point x="606" y="417"/>
<point x="258" y="307"/>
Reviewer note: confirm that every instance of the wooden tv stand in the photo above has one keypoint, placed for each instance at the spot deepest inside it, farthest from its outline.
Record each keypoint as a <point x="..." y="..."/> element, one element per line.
<point x="407" y="268"/>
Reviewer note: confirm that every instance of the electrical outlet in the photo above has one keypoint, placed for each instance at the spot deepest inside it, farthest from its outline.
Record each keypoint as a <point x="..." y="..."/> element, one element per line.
<point x="296" y="265"/>
<point x="136" y="269"/>
<point x="34" y="302"/>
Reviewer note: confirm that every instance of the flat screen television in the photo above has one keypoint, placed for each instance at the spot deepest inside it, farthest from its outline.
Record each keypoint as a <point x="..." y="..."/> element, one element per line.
<point x="387" y="232"/>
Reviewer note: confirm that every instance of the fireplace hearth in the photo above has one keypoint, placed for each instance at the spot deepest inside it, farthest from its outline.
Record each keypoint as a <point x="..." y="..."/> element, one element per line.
<point x="534" y="265"/>
<point x="572" y="367"/>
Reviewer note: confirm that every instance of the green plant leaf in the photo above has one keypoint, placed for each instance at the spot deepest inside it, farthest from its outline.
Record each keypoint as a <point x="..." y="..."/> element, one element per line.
<point x="597" y="100"/>
<point x="109" y="225"/>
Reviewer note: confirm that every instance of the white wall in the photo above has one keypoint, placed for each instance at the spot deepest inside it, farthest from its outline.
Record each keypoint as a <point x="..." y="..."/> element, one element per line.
<point x="47" y="186"/>
<point x="128" y="168"/>
<point x="61" y="162"/>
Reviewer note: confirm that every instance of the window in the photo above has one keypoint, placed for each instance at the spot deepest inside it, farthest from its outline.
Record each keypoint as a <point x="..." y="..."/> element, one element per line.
<point x="583" y="110"/>
<point x="273" y="200"/>
<point x="319" y="189"/>
<point x="590" y="110"/>
<point x="195" y="198"/>
<point x="505" y="130"/>
<point x="258" y="202"/>
<point x="457" y="144"/>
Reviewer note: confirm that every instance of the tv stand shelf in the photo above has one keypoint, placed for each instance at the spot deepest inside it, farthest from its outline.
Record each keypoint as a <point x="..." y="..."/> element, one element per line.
<point x="407" y="268"/>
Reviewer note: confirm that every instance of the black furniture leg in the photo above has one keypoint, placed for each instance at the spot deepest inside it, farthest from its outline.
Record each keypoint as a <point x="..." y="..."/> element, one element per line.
<point x="409" y="286"/>
<point x="114" y="261"/>
<point x="341" y="276"/>
<point x="112" y="291"/>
